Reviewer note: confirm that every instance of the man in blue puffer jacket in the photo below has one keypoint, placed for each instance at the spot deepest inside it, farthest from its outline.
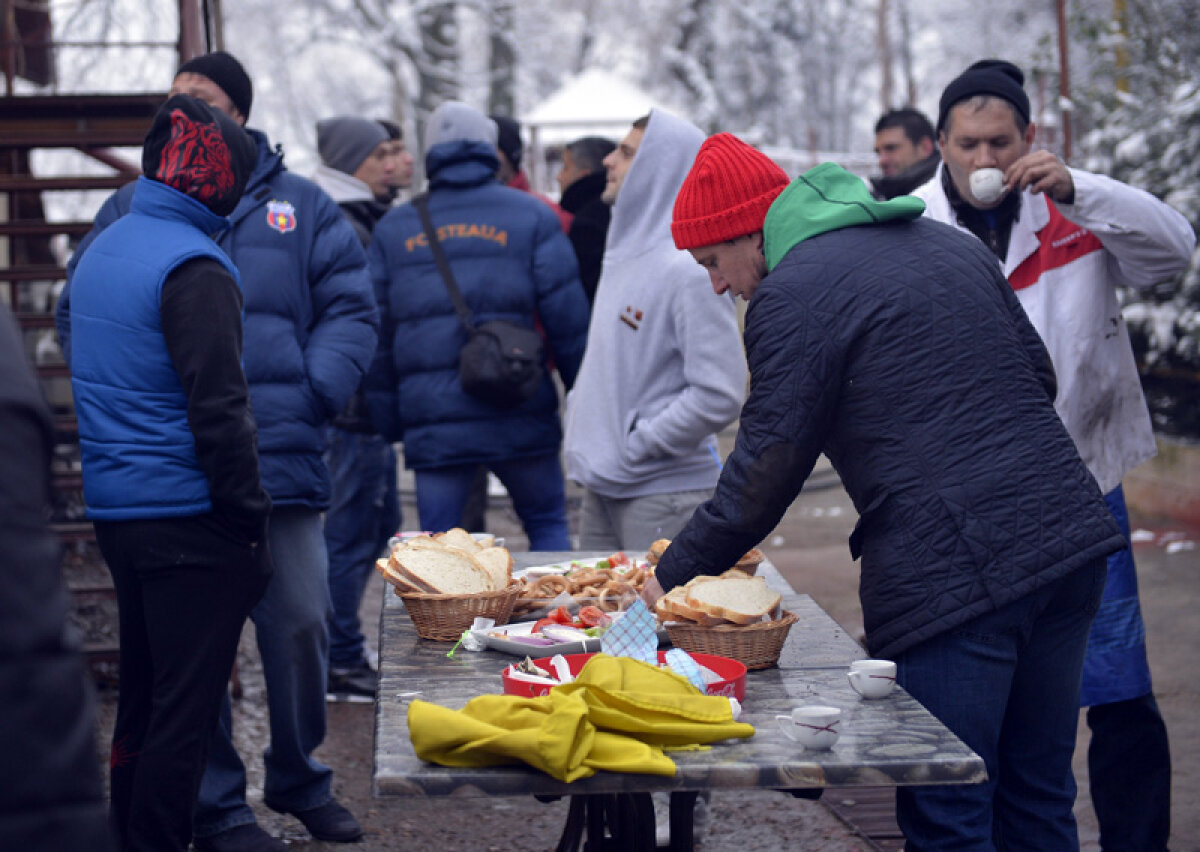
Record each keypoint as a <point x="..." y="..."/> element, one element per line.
<point x="310" y="331"/>
<point x="511" y="260"/>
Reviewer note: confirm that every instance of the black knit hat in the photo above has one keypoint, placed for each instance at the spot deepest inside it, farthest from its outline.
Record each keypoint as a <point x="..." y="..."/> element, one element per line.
<point x="986" y="77"/>
<point x="199" y="151"/>
<point x="508" y="138"/>
<point x="226" y="72"/>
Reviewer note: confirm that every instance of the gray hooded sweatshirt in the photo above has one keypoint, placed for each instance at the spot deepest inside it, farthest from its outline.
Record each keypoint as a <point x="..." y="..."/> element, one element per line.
<point x="664" y="367"/>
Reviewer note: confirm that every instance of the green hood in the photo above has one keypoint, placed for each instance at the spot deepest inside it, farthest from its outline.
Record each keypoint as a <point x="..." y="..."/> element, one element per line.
<point x="827" y="198"/>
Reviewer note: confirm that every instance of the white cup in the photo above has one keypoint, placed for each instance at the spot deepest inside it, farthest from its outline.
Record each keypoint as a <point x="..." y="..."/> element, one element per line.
<point x="814" y="726"/>
<point x="872" y="678"/>
<point x="987" y="185"/>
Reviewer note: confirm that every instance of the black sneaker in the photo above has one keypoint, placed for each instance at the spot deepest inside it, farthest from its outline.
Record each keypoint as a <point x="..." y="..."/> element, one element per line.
<point x="329" y="822"/>
<point x="241" y="838"/>
<point x="353" y="685"/>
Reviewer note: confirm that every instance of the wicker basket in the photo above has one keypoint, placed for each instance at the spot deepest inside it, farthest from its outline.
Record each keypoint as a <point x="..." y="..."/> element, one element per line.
<point x="444" y="617"/>
<point x="757" y="646"/>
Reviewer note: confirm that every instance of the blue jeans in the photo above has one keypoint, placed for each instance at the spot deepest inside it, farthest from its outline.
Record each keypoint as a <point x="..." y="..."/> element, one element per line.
<point x="293" y="642"/>
<point x="1007" y="683"/>
<point x="535" y="484"/>
<point x="364" y="513"/>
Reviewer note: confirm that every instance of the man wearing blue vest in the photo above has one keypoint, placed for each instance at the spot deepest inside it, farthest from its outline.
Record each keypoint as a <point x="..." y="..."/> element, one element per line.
<point x="170" y="469"/>
<point x="310" y="331"/>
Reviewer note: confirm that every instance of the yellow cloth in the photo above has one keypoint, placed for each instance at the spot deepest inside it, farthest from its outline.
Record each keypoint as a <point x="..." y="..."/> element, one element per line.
<point x="617" y="715"/>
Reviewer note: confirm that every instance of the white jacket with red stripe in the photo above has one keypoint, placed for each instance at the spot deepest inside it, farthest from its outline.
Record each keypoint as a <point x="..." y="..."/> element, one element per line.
<point x="1065" y="263"/>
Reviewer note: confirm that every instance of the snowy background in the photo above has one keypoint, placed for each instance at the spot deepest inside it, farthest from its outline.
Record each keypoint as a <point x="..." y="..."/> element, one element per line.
<point x="801" y="78"/>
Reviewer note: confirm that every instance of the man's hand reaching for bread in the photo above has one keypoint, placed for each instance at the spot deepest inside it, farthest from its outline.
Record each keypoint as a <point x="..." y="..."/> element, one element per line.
<point x="651" y="592"/>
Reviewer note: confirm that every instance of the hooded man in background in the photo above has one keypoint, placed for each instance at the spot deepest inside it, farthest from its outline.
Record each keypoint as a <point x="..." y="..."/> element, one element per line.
<point x="310" y="328"/>
<point x="894" y="346"/>
<point x="663" y="371"/>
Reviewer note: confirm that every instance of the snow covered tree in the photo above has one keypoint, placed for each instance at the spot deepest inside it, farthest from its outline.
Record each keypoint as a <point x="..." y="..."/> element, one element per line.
<point x="1145" y="120"/>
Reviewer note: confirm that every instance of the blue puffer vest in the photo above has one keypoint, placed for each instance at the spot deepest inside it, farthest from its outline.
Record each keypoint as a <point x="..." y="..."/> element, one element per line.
<point x="139" y="458"/>
<point x="309" y="321"/>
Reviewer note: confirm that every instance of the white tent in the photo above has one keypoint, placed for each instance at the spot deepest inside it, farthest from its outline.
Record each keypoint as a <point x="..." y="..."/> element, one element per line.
<point x="593" y="103"/>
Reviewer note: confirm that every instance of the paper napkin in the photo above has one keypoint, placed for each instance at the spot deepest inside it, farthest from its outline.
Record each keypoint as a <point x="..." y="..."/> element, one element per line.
<point x="681" y="663"/>
<point x="633" y="635"/>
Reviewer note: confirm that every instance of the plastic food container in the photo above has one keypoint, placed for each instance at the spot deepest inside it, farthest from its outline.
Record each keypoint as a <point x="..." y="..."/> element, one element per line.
<point x="732" y="673"/>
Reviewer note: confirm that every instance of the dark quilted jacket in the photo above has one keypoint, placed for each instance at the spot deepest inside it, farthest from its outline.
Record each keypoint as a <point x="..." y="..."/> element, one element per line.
<point x="900" y="352"/>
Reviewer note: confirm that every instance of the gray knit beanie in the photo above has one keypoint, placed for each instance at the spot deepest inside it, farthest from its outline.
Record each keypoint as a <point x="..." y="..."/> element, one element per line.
<point x="454" y="121"/>
<point x="345" y="141"/>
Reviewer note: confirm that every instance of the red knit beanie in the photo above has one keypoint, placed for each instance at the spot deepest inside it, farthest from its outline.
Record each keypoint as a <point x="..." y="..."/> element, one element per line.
<point x="726" y="194"/>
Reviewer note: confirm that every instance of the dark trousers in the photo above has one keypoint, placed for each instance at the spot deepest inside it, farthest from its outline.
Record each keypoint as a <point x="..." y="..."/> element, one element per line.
<point x="1129" y="770"/>
<point x="184" y="589"/>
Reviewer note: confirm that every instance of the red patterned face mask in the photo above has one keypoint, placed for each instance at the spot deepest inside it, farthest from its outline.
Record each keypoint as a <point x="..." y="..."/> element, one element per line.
<point x="199" y="151"/>
<point x="196" y="160"/>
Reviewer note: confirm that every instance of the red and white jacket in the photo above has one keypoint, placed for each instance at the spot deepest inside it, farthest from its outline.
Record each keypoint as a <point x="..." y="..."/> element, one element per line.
<point x="1065" y="262"/>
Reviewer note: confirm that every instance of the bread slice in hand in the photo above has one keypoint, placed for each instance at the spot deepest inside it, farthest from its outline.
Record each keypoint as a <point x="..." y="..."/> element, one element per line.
<point x="441" y="569"/>
<point x="742" y="601"/>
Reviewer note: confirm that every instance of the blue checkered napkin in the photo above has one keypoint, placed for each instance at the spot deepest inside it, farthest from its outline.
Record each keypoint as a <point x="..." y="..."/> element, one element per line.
<point x="632" y="635"/>
<point x="681" y="663"/>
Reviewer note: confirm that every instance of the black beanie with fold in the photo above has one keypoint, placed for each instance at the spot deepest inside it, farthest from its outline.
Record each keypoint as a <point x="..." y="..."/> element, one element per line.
<point x="227" y="73"/>
<point x="986" y="77"/>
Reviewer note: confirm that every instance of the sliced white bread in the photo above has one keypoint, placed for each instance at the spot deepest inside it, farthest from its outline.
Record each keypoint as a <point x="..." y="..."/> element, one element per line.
<point x="673" y="606"/>
<point x="460" y="538"/>
<point x="498" y="563"/>
<point x="391" y="573"/>
<point x="444" y="570"/>
<point x="742" y="601"/>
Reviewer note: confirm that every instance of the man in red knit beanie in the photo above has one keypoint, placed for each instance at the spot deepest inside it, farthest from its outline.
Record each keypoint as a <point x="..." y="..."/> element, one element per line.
<point x="893" y="345"/>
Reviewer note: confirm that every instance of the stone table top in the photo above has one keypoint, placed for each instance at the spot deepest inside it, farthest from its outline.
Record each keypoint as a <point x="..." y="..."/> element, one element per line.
<point x="889" y="741"/>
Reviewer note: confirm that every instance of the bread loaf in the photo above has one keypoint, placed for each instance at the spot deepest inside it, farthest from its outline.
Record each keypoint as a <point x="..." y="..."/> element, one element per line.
<point x="460" y="538"/>
<point x="736" y="599"/>
<point x="656" y="550"/>
<point x="673" y="606"/>
<point x="440" y="569"/>
<point x="498" y="563"/>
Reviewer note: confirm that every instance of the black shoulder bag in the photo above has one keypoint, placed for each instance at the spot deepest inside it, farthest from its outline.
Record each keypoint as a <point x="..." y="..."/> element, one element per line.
<point x="502" y="363"/>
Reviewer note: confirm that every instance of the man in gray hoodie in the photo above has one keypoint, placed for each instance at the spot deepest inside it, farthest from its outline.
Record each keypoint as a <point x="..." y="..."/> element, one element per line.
<point x="664" y="368"/>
